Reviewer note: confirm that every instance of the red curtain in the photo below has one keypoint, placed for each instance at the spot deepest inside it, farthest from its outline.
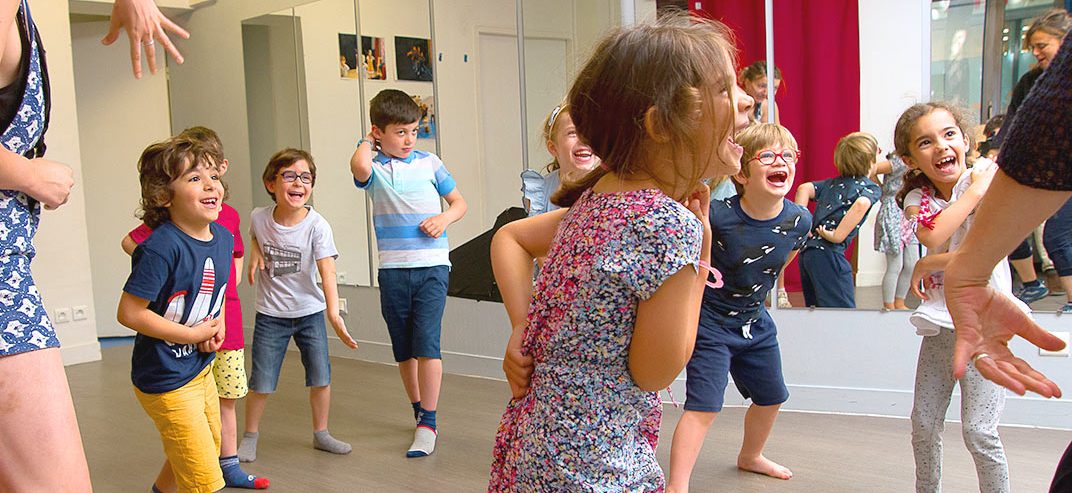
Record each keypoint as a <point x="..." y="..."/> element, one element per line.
<point x="817" y="48"/>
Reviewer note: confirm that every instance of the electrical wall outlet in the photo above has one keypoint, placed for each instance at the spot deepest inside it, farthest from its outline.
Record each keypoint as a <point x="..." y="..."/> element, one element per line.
<point x="1064" y="352"/>
<point x="342" y="278"/>
<point x="80" y="312"/>
<point x="63" y="315"/>
<point x="342" y="307"/>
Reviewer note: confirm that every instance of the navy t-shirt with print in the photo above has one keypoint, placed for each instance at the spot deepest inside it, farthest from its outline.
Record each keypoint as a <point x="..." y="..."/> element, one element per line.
<point x="749" y="254"/>
<point x="184" y="280"/>
<point x="833" y="199"/>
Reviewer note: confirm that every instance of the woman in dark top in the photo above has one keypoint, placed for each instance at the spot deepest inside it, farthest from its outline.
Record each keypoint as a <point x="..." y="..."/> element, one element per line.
<point x="1034" y="181"/>
<point x="40" y="445"/>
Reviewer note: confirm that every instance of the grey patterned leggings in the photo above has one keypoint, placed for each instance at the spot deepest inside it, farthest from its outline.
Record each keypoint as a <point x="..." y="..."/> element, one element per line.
<point x="981" y="404"/>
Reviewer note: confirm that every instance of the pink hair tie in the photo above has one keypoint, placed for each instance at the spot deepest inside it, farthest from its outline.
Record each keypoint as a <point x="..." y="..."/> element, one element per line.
<point x="603" y="164"/>
<point x="717" y="283"/>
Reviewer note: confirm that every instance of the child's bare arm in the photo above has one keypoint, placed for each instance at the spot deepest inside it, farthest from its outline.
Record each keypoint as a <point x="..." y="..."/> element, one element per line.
<point x="882" y="168"/>
<point x="664" y="334"/>
<point x="213" y="344"/>
<point x="805" y="194"/>
<point x="134" y="313"/>
<point x="456" y="207"/>
<point x="857" y="213"/>
<point x="513" y="249"/>
<point x="361" y="161"/>
<point x="927" y="265"/>
<point x="256" y="259"/>
<point x="326" y="266"/>
<point x="946" y="223"/>
<point x="128" y="244"/>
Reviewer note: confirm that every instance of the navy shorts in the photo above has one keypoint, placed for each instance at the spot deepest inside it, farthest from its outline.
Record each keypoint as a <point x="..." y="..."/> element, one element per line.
<point x="826" y="279"/>
<point x="412" y="301"/>
<point x="756" y="364"/>
<point x="271" y="336"/>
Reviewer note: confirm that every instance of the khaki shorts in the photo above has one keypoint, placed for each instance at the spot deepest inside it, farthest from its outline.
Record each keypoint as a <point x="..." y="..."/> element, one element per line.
<point x="188" y="419"/>
<point x="229" y="368"/>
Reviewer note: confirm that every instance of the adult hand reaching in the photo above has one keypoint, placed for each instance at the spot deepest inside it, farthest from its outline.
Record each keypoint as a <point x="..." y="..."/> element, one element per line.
<point x="985" y="320"/>
<point x="144" y="24"/>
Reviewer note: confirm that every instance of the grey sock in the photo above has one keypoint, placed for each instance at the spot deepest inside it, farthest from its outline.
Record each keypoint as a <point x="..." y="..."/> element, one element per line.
<point x="322" y="440"/>
<point x="247" y="450"/>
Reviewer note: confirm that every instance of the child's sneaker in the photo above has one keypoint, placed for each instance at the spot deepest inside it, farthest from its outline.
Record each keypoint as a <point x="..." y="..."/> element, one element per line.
<point x="1031" y="294"/>
<point x="1067" y="308"/>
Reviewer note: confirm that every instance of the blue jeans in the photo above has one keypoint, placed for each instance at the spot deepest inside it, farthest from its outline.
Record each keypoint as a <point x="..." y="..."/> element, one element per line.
<point x="412" y="301"/>
<point x="1057" y="236"/>
<point x="271" y="335"/>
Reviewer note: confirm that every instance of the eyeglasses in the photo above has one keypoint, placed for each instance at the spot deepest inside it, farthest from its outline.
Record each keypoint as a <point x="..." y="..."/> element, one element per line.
<point x="290" y="176"/>
<point x="767" y="157"/>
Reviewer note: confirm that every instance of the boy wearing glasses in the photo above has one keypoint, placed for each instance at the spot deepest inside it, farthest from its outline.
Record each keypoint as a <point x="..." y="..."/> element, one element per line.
<point x="754" y="234"/>
<point x="841" y="204"/>
<point x="290" y="243"/>
<point x="406" y="186"/>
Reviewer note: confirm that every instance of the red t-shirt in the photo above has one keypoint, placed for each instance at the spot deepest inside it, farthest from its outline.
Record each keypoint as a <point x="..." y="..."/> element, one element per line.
<point x="232" y="307"/>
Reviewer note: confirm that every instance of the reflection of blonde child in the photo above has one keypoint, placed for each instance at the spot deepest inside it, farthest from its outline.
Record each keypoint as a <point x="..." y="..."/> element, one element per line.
<point x="571" y="159"/>
<point x="229" y="367"/>
<point x="939" y="196"/>
<point x="841" y="204"/>
<point x="614" y="311"/>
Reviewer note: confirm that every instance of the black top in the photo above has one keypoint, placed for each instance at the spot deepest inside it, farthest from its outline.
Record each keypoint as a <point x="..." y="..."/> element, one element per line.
<point x="1037" y="151"/>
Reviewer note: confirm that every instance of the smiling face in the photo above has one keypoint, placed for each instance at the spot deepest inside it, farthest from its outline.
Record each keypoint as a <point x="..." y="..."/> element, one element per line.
<point x="757" y="88"/>
<point x="396" y="139"/>
<point x="771" y="180"/>
<point x="937" y="147"/>
<point x="196" y="196"/>
<point x="1044" y="46"/>
<point x="729" y="105"/>
<point x="295" y="194"/>
<point x="574" y="157"/>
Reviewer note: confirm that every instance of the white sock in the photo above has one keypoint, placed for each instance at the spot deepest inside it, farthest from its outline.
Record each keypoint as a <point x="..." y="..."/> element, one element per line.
<point x="423" y="442"/>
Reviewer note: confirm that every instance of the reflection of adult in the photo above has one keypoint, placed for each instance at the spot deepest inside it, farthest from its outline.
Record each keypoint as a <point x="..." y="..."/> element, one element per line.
<point x="1035" y="180"/>
<point x="144" y="25"/>
<point x="753" y="80"/>
<point x="39" y="438"/>
<point x="1043" y="39"/>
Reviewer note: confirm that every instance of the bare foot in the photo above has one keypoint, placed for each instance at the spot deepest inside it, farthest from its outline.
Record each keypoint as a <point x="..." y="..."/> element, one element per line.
<point x="763" y="465"/>
<point x="901" y="306"/>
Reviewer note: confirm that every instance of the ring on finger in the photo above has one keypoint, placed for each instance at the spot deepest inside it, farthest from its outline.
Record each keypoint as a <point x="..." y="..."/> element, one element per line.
<point x="148" y="42"/>
<point x="979" y="356"/>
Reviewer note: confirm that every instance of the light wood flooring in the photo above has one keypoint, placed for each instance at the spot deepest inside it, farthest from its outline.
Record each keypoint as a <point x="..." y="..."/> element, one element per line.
<point x="828" y="453"/>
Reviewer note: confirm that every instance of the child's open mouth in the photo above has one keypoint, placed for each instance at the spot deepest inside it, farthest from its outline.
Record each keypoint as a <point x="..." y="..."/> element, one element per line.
<point x="946" y="163"/>
<point x="582" y="155"/>
<point x="778" y="178"/>
<point x="295" y="194"/>
<point x="210" y="203"/>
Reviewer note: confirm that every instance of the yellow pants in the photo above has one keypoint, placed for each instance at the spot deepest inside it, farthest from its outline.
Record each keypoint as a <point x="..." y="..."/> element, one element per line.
<point x="188" y="419"/>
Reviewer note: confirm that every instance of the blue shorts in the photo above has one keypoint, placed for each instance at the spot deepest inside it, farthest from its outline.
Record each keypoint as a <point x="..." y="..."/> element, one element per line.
<point x="271" y="335"/>
<point x="412" y="302"/>
<point x="826" y="279"/>
<point x="756" y="364"/>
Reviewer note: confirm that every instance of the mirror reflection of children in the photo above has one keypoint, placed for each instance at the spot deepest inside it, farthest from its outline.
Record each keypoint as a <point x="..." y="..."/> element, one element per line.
<point x="613" y="314"/>
<point x="753" y="235"/>
<point x="571" y="159"/>
<point x="901" y="251"/>
<point x="841" y="204"/>
<point x="939" y="196"/>
<point x="290" y="244"/>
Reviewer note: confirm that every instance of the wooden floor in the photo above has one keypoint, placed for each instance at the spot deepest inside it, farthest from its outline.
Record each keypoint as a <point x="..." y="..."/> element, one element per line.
<point x="828" y="453"/>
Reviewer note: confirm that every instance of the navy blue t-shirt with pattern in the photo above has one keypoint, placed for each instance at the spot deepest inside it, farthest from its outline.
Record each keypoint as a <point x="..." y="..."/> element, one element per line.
<point x="833" y="199"/>
<point x="184" y="280"/>
<point x="749" y="253"/>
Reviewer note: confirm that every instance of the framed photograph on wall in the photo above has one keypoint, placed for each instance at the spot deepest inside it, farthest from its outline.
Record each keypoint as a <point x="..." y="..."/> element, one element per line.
<point x="413" y="58"/>
<point x="426" y="126"/>
<point x="373" y="56"/>
<point x="348" y="56"/>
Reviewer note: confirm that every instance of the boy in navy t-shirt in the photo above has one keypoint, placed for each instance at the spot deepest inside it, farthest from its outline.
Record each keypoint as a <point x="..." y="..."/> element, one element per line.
<point x="841" y="205"/>
<point x="173" y="299"/>
<point x="753" y="236"/>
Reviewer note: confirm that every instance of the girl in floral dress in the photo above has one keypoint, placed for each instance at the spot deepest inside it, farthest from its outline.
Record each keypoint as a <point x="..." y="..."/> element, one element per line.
<point x="614" y="312"/>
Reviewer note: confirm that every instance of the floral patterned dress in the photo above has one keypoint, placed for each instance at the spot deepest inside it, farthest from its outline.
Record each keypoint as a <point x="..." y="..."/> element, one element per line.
<point x="585" y="425"/>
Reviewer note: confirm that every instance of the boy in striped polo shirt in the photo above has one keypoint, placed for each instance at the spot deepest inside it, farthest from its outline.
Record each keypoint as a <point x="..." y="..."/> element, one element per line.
<point x="405" y="186"/>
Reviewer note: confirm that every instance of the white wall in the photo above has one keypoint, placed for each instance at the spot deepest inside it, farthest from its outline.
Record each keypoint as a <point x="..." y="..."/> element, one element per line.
<point x="891" y="79"/>
<point x="117" y="117"/>
<point x="62" y="266"/>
